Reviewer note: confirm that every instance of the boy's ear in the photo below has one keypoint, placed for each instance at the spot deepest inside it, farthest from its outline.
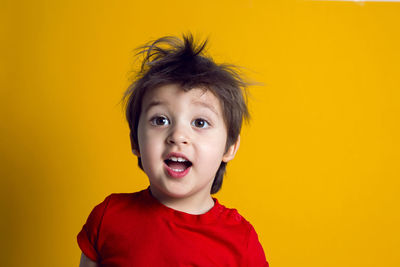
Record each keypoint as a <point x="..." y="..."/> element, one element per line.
<point x="231" y="152"/>
<point x="135" y="150"/>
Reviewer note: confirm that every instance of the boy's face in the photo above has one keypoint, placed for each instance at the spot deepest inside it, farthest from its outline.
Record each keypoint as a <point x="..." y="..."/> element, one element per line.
<point x="182" y="138"/>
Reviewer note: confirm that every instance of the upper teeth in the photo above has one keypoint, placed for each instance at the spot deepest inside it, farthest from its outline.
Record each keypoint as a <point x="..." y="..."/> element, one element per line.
<point x="178" y="159"/>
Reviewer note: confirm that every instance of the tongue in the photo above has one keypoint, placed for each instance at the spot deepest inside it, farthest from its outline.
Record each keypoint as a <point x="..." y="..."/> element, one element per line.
<point x="177" y="165"/>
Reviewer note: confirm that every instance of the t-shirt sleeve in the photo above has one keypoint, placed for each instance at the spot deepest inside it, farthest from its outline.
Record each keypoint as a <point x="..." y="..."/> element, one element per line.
<point x="88" y="236"/>
<point x="255" y="255"/>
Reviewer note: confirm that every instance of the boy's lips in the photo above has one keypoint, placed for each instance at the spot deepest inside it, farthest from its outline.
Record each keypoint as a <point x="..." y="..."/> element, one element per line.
<point x="177" y="165"/>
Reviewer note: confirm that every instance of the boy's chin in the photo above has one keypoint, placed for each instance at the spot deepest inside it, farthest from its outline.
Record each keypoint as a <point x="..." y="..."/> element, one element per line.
<point x="179" y="192"/>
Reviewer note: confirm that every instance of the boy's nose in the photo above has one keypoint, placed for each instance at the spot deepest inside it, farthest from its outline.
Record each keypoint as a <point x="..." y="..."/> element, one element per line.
<point x="178" y="137"/>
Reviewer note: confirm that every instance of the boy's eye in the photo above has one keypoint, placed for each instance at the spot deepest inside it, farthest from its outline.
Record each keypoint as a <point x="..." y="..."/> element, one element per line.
<point x="159" y="121"/>
<point x="200" y="123"/>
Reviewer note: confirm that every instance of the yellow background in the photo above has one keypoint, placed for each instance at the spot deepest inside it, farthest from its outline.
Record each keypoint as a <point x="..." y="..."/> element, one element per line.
<point x="317" y="173"/>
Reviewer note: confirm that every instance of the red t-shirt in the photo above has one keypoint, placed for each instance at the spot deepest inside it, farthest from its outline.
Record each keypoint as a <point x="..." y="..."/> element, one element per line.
<point x="135" y="229"/>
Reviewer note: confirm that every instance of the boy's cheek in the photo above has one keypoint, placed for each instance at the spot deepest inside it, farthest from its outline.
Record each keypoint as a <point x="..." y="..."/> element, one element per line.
<point x="151" y="148"/>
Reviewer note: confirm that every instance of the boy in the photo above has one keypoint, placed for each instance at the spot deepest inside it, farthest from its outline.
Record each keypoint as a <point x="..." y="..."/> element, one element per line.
<point x="185" y="114"/>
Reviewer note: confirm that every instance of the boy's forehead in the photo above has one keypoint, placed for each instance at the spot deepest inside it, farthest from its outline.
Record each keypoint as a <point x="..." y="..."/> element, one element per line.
<point x="173" y="94"/>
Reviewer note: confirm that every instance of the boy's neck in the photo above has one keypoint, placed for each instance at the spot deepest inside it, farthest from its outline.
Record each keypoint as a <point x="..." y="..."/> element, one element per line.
<point x="193" y="205"/>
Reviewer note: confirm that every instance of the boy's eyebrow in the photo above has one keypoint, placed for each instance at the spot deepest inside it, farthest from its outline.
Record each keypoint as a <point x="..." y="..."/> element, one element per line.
<point x="206" y="105"/>
<point x="153" y="103"/>
<point x="200" y="103"/>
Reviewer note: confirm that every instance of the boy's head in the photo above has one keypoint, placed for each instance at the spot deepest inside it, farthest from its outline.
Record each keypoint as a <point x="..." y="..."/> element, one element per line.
<point x="171" y="62"/>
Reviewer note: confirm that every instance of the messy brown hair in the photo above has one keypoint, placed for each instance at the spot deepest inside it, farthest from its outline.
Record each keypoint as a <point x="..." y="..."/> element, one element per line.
<point x="170" y="60"/>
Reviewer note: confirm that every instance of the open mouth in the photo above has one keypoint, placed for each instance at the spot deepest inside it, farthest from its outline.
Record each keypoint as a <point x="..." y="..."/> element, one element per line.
<point x="178" y="164"/>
